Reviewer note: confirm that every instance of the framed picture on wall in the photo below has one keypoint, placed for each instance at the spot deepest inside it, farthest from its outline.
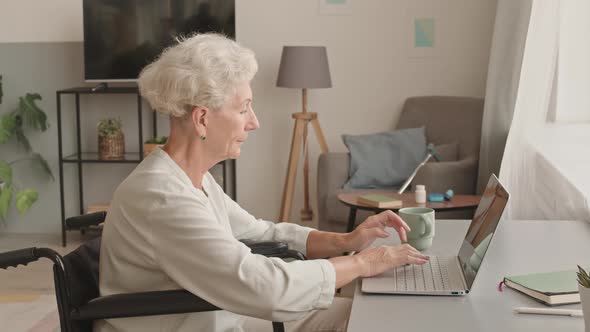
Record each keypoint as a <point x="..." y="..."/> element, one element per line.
<point x="422" y="36"/>
<point x="425" y="31"/>
<point x="334" y="7"/>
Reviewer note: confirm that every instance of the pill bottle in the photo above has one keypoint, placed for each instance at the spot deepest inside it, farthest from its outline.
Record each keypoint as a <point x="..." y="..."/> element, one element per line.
<point x="420" y="193"/>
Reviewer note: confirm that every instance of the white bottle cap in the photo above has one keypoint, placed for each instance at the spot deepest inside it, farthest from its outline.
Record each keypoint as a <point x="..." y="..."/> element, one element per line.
<point x="420" y="187"/>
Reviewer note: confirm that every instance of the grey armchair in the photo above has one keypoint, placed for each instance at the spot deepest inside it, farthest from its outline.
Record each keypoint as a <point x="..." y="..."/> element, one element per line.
<point x="450" y="122"/>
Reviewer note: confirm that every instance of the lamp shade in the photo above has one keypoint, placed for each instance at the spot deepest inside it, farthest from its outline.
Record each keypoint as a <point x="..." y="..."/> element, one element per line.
<point x="304" y="67"/>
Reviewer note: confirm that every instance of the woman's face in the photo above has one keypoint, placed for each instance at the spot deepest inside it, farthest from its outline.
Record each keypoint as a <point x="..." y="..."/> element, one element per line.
<point x="228" y="128"/>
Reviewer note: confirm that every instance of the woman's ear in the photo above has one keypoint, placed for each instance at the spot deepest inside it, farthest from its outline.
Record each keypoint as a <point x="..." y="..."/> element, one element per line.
<point x="199" y="117"/>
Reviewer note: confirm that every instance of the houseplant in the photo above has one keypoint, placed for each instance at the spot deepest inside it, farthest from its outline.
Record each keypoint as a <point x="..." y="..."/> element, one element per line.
<point x="111" y="140"/>
<point x="584" y="288"/>
<point x="14" y="124"/>
<point x="150" y="145"/>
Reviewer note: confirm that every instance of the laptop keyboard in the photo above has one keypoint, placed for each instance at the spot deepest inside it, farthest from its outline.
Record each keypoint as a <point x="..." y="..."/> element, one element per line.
<point x="431" y="276"/>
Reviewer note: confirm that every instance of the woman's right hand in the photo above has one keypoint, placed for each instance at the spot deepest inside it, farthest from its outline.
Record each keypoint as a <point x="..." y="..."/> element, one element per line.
<point x="374" y="261"/>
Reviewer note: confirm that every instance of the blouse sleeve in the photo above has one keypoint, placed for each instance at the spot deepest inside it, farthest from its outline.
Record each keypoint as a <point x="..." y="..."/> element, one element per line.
<point x="247" y="227"/>
<point x="203" y="257"/>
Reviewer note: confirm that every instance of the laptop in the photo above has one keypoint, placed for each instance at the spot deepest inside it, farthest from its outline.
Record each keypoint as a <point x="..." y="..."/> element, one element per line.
<point x="452" y="275"/>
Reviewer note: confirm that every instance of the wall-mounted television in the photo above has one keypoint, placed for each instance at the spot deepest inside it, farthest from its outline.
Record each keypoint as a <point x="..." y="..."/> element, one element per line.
<point x="123" y="36"/>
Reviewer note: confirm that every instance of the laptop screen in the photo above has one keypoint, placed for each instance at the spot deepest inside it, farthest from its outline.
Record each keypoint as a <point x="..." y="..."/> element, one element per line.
<point x="482" y="228"/>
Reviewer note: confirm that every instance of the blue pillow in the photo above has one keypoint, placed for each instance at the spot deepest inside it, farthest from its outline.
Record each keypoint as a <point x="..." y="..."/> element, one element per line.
<point x="384" y="160"/>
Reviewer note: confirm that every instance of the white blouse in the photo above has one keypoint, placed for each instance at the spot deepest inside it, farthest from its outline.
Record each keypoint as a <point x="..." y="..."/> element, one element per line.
<point x="162" y="233"/>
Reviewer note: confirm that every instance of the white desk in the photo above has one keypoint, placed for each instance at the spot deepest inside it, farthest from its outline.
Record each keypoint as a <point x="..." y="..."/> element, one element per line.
<point x="518" y="247"/>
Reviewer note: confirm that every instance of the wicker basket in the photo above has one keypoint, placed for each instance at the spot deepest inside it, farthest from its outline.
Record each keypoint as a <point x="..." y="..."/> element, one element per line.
<point x="111" y="147"/>
<point x="149" y="148"/>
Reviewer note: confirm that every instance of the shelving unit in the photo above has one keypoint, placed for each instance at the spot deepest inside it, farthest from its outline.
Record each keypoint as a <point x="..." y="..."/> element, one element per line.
<point x="228" y="167"/>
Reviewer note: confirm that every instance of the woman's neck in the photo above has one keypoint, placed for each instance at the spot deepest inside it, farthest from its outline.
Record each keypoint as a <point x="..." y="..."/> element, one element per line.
<point x="191" y="159"/>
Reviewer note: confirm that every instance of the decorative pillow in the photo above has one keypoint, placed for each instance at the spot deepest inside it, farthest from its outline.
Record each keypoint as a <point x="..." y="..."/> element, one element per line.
<point x="384" y="160"/>
<point x="447" y="152"/>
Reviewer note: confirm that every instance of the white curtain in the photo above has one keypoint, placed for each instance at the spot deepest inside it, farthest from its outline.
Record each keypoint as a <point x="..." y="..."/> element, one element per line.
<point x="519" y="170"/>
<point x="510" y="31"/>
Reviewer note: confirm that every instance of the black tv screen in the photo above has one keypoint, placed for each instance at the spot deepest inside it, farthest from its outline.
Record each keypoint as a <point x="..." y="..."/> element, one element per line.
<point x="123" y="36"/>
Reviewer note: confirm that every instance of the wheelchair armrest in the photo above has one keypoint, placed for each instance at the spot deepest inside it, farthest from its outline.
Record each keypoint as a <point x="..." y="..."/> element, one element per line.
<point x="142" y="304"/>
<point x="273" y="249"/>
<point x="291" y="254"/>
<point x="267" y="248"/>
<point x="86" y="220"/>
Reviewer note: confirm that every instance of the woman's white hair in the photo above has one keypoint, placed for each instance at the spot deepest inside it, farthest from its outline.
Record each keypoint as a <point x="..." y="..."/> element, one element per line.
<point x="202" y="70"/>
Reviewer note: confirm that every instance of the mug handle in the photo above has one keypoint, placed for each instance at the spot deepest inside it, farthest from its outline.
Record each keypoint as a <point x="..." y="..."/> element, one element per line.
<point x="427" y="227"/>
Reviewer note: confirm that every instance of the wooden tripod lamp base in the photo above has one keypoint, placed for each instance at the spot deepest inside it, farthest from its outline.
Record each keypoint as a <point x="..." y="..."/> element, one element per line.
<point x="302" y="67"/>
<point x="298" y="148"/>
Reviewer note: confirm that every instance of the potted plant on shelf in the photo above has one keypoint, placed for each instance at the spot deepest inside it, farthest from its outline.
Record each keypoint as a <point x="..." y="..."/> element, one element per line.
<point x="151" y="144"/>
<point x="26" y="116"/>
<point x="111" y="140"/>
<point x="584" y="288"/>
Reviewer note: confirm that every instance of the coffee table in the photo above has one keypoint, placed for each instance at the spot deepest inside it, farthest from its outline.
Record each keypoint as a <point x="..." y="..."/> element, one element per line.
<point x="458" y="202"/>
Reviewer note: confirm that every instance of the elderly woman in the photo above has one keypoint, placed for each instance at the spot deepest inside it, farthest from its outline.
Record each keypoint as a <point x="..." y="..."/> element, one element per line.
<point x="171" y="226"/>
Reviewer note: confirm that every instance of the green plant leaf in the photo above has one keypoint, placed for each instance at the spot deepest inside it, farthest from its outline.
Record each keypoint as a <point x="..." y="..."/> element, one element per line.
<point x="583" y="277"/>
<point x="32" y="115"/>
<point x="5" y="173"/>
<point x="22" y="139"/>
<point x="5" y="198"/>
<point x="39" y="159"/>
<point x="109" y="127"/>
<point x="25" y="199"/>
<point x="7" y="127"/>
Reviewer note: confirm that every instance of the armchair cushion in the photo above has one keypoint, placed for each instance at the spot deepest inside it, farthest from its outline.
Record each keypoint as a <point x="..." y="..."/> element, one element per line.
<point x="384" y="159"/>
<point x="458" y="175"/>
<point x="447" y="152"/>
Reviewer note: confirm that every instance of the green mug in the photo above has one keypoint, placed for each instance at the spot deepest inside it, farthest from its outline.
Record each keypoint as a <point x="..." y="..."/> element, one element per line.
<point x="421" y="221"/>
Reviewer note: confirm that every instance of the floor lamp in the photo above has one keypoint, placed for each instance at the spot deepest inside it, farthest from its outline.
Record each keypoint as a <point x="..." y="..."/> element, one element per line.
<point x="302" y="67"/>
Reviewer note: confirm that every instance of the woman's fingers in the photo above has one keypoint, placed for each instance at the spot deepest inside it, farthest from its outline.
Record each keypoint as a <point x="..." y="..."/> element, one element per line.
<point x="387" y="219"/>
<point x="383" y="258"/>
<point x="403" y="235"/>
<point x="417" y="260"/>
<point x="411" y="255"/>
<point x="420" y="257"/>
<point x="390" y="219"/>
<point x="393" y="220"/>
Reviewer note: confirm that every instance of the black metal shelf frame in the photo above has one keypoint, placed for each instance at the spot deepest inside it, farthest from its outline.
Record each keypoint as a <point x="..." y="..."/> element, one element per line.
<point x="81" y="157"/>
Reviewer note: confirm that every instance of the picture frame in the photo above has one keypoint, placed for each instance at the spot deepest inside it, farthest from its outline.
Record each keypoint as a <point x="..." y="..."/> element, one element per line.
<point x="335" y="7"/>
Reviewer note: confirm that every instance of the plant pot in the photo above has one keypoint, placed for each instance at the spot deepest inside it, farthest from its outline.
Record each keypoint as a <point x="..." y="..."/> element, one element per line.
<point x="149" y="148"/>
<point x="111" y="147"/>
<point x="585" y="298"/>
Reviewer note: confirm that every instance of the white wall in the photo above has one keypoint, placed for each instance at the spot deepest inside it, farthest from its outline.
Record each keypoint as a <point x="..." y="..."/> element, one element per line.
<point x="372" y="68"/>
<point x="573" y="99"/>
<point x="40" y="21"/>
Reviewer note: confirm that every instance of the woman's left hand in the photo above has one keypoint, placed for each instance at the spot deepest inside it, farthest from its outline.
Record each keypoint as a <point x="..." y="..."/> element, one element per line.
<point x="374" y="227"/>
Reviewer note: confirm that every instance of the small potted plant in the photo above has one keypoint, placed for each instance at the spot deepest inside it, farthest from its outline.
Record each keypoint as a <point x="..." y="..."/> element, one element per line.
<point x="584" y="288"/>
<point x="150" y="145"/>
<point x="111" y="141"/>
